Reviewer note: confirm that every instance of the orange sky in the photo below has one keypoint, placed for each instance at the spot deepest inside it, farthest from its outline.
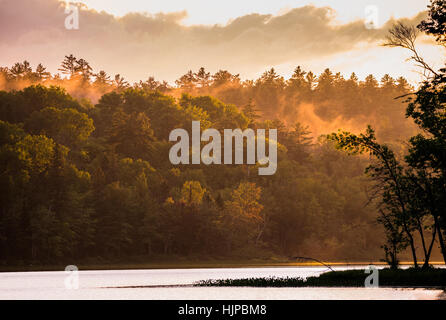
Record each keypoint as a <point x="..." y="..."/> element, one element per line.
<point x="164" y="39"/>
<point x="211" y="12"/>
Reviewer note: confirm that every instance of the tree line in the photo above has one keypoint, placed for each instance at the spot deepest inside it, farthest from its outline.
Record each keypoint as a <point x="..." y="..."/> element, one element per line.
<point x="321" y="100"/>
<point x="84" y="169"/>
<point x="94" y="181"/>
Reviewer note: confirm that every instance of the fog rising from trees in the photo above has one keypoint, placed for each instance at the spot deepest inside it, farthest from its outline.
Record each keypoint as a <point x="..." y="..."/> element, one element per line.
<point x="85" y="174"/>
<point x="99" y="158"/>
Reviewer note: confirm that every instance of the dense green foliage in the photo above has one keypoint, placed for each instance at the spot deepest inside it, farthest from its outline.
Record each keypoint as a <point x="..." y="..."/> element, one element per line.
<point x="94" y="181"/>
<point x="85" y="172"/>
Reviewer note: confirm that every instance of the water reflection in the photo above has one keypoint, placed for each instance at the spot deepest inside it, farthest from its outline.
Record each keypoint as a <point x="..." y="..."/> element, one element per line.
<point x="177" y="284"/>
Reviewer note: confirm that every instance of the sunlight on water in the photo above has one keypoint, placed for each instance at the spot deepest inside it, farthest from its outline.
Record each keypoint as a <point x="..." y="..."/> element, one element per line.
<point x="176" y="284"/>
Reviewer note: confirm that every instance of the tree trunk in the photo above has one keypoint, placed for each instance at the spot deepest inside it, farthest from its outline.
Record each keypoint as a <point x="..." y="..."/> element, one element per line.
<point x="440" y="238"/>
<point x="412" y="245"/>
<point x="428" y="255"/>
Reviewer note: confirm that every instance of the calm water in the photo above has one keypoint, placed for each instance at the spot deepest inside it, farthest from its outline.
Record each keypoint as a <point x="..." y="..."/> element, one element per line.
<point x="176" y="284"/>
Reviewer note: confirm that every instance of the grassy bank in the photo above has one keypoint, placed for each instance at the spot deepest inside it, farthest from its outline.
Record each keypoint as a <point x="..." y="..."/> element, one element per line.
<point x="188" y="264"/>
<point x="173" y="264"/>
<point x="350" y="278"/>
<point x="179" y="263"/>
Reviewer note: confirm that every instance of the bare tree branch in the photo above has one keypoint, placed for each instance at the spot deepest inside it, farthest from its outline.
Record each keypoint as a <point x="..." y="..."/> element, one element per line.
<point x="404" y="36"/>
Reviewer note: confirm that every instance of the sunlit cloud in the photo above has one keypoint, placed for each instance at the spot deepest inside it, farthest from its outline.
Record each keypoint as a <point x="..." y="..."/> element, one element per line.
<point x="141" y="44"/>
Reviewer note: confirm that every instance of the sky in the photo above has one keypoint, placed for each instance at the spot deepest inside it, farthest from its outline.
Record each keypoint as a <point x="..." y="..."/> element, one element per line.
<point x="166" y="38"/>
<point x="220" y="12"/>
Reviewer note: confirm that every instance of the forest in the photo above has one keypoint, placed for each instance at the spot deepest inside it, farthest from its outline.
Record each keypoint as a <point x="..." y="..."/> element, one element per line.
<point x="85" y="172"/>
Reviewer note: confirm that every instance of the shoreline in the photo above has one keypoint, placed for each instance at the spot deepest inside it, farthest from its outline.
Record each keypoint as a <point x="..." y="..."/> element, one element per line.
<point x="191" y="265"/>
<point x="433" y="278"/>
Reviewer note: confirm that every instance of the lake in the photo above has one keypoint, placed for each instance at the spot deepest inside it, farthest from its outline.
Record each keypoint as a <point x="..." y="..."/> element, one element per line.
<point x="175" y="284"/>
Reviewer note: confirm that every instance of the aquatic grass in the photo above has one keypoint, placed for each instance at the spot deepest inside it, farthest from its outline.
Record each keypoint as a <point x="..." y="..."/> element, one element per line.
<point x="254" y="282"/>
<point x="349" y="278"/>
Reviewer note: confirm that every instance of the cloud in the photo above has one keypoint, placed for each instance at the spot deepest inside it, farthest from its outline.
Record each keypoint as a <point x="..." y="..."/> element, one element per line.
<point x="139" y="44"/>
